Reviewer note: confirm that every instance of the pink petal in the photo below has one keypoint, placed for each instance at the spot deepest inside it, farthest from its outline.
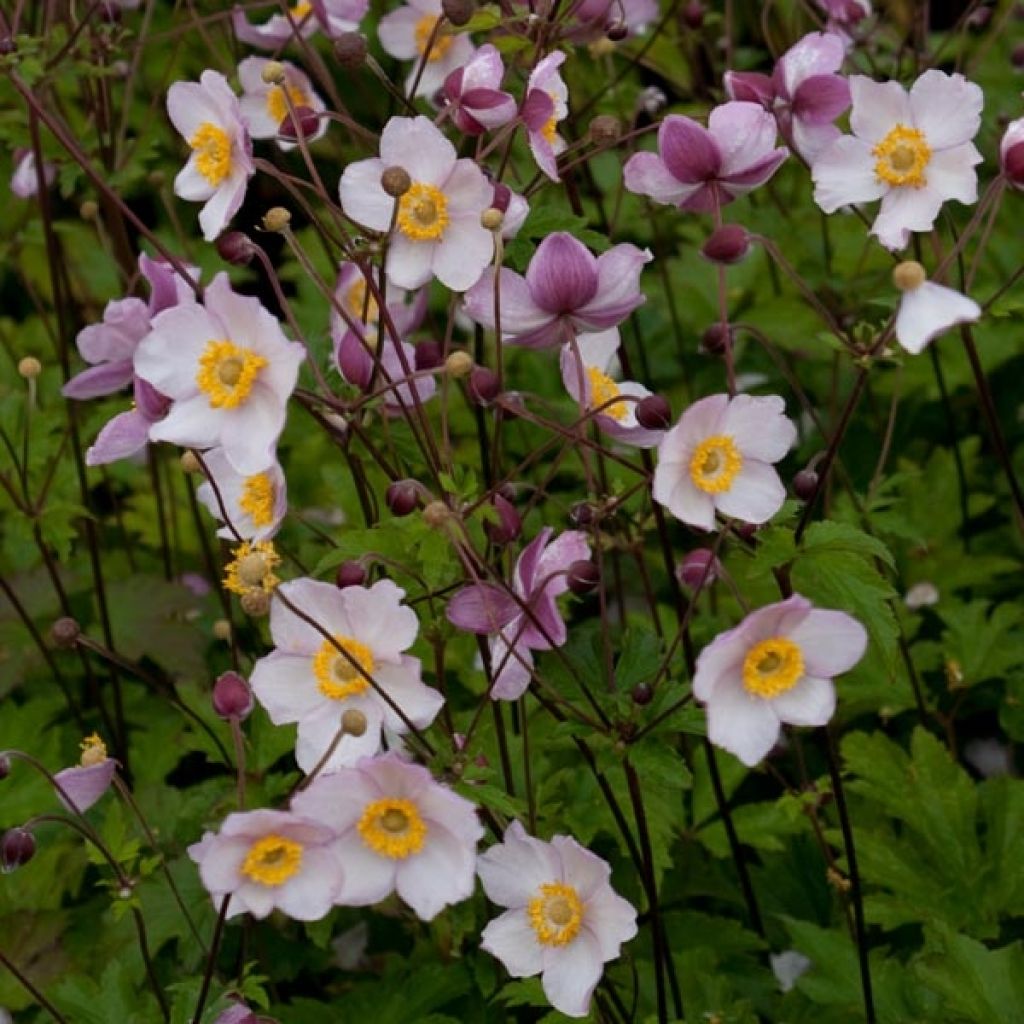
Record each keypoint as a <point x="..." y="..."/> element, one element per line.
<point x="482" y="608"/>
<point x="832" y="642"/>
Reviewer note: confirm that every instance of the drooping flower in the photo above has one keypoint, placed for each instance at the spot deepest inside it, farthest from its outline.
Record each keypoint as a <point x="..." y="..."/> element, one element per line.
<point x="406" y="33"/>
<point x="438" y="231"/>
<point x="913" y="151"/>
<point x="591" y="19"/>
<point x="564" y="921"/>
<point x="255" y="503"/>
<point x="489" y="610"/>
<point x="25" y="179"/>
<point x="207" y="115"/>
<point x="927" y="309"/>
<point x="83" y="784"/>
<point x="697" y="168"/>
<point x="804" y="92"/>
<point x="266" y="860"/>
<point x="398" y="831"/>
<point x="127" y="433"/>
<point x="265" y="105"/>
<point x="775" y="667"/>
<point x="545" y="104"/>
<point x="566" y="290"/>
<point x="473" y="94"/>
<point x="228" y="369"/>
<point x="586" y="366"/>
<point x="718" y="458"/>
<point x="313" y="681"/>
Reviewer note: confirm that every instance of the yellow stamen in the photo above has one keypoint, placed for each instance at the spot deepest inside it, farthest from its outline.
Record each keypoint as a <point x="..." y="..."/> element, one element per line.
<point x="423" y="213"/>
<point x="902" y="156"/>
<point x="424" y="30"/>
<point x="602" y="390"/>
<point x="715" y="463"/>
<point x="301" y="9"/>
<point x="772" y="667"/>
<point x="94" y="751"/>
<point x="277" y="103"/>
<point x="550" y="129"/>
<point x="360" y="304"/>
<point x="393" y="828"/>
<point x="335" y="674"/>
<point x="227" y="373"/>
<point x="251" y="568"/>
<point x="212" y="147"/>
<point x="556" y="914"/>
<point x="272" y="860"/>
<point x="257" y="500"/>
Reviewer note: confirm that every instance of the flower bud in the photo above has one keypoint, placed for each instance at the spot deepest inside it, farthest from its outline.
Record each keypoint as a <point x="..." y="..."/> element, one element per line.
<point x="222" y="629"/>
<point x="642" y="694"/>
<point x="492" y="218"/>
<point x="236" y="247"/>
<point x="502" y="197"/>
<point x="350" y="49"/>
<point x="5" y="767"/>
<point x="616" y="30"/>
<point x="89" y="210"/>
<point x="483" y="386"/>
<point x="605" y="130"/>
<point x="805" y="484"/>
<point x="277" y="219"/>
<point x="714" y="339"/>
<point x="65" y="633"/>
<point x="395" y="181"/>
<point x="653" y="413"/>
<point x="353" y="722"/>
<point x="1017" y="56"/>
<point x="581" y="514"/>
<point x="509" y="525"/>
<point x="29" y="367"/>
<point x="17" y="848"/>
<point x="729" y="244"/>
<point x="189" y="462"/>
<point x="302" y="122"/>
<point x="232" y="696"/>
<point x="428" y="355"/>
<point x="908" y="275"/>
<point x="349" y="574"/>
<point x="697" y="566"/>
<point x="255" y="602"/>
<point x="436" y="515"/>
<point x="273" y="73"/>
<point x="7" y="46"/>
<point x="458" y="12"/>
<point x="402" y="497"/>
<point x="459" y="364"/>
<point x="1012" y="161"/>
<point x="583" y="576"/>
<point x="693" y="15"/>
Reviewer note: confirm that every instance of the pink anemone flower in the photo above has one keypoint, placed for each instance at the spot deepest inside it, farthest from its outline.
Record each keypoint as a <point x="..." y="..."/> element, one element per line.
<point x="255" y="503"/>
<point x="473" y="94"/>
<point x="265" y="106"/>
<point x="545" y="104"/>
<point x="405" y="33"/>
<point x="84" y="783"/>
<point x="25" y="179"/>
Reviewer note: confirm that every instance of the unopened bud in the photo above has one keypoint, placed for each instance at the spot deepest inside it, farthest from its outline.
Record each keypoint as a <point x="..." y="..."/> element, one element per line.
<point x="349" y="574"/>
<point x="642" y="694"/>
<point x="428" y="355"/>
<point x="7" y="46"/>
<point x="459" y="364"/>
<point x="581" y="514"/>
<point x="908" y="275"/>
<point x="805" y="484"/>
<point x="277" y="218"/>
<point x="605" y="130"/>
<point x="395" y="181"/>
<point x="236" y="247"/>
<point x="1013" y="165"/>
<point x="728" y="244"/>
<point x="509" y="525"/>
<point x="353" y="722"/>
<point x="29" y="367"/>
<point x="65" y="633"/>
<point x="350" y="49"/>
<point x="89" y="210"/>
<point x="222" y="629"/>
<point x="273" y="72"/>
<point x="698" y="568"/>
<point x="436" y="514"/>
<point x="458" y="12"/>
<point x="693" y="15"/>
<point x="5" y="767"/>
<point x="492" y="218"/>
<point x="232" y="696"/>
<point x="653" y="413"/>
<point x="190" y="463"/>
<point x="484" y="385"/>
<point x="255" y="602"/>
<point x="1017" y="56"/>
<point x="302" y="122"/>
<point x="17" y="848"/>
<point x="715" y="338"/>
<point x="402" y="497"/>
<point x="502" y="197"/>
<point x="583" y="576"/>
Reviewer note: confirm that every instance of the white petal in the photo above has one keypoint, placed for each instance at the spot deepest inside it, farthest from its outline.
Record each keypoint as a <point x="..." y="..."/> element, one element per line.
<point x="831" y="641"/>
<point x="192" y="423"/>
<point x="415" y="144"/>
<point x="286" y="686"/>
<point x="368" y="876"/>
<point x="362" y="197"/>
<point x="759" y="426"/>
<point x="513" y="941"/>
<point x="947" y="108"/>
<point x="951" y="173"/>
<point x="409" y="263"/>
<point x="611" y="920"/>
<point x="844" y="173"/>
<point x="309" y="895"/>
<point x="877" y="108"/>
<point x="439" y="875"/>
<point x="904" y="210"/>
<point x="811" y="702"/>
<point x="756" y="493"/>
<point x="928" y="311"/>
<point x="514" y="870"/>
<point x="466" y="249"/>
<point x="571" y="974"/>
<point x="745" y="725"/>
<point x="674" y="489"/>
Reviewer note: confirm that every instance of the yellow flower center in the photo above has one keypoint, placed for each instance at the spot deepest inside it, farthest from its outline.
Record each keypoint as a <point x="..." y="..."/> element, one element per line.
<point x="393" y="828"/>
<point x="301" y="9"/>
<point x="277" y="101"/>
<point x="336" y="675"/>
<point x="227" y="373"/>
<point x="257" y="499"/>
<point x="360" y="303"/>
<point x="903" y="156"/>
<point x="715" y="463"/>
<point x="556" y="914"/>
<point x="252" y="567"/>
<point x="772" y="667"/>
<point x="550" y="129"/>
<point x="272" y="860"/>
<point x="212" y="147"/>
<point x="603" y="390"/>
<point x="424" y="30"/>
<point x="94" y="751"/>
<point x="423" y="213"/>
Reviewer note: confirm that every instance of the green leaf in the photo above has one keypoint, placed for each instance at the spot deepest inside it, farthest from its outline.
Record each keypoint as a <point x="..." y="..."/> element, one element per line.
<point x="830" y="535"/>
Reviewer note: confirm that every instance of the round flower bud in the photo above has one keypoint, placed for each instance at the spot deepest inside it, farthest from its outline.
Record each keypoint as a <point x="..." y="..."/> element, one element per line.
<point x="236" y="247"/>
<point x="273" y="72"/>
<point x="693" y="15"/>
<point x="1012" y="161"/>
<point x="605" y="130"/>
<point x="492" y="218"/>
<point x="509" y="525"/>
<point x="502" y="197"/>
<point x="805" y="484"/>
<point x="189" y="463"/>
<point x="713" y="341"/>
<point x="436" y="514"/>
<point x="642" y="694"/>
<point x="29" y="367"/>
<point x="428" y="355"/>
<point x="653" y="413"/>
<point x="89" y="210"/>
<point x="302" y="122"/>
<point x="350" y="49"/>
<point x="581" y="514"/>
<point x="484" y="385"/>
<point x="458" y="12"/>
<point x="583" y="576"/>
<point x="255" y="602"/>
<point x="17" y="848"/>
<point x="222" y="629"/>
<point x="616" y="31"/>
<point x="459" y="364"/>
<point x="696" y="566"/>
<point x="277" y="218"/>
<point x="729" y="244"/>
<point x="353" y="722"/>
<point x="7" y="46"/>
<point x="395" y="181"/>
<point x="908" y="275"/>
<point x="65" y="633"/>
<point x="253" y="569"/>
<point x="232" y="696"/>
<point x="1017" y="56"/>
<point x="349" y="574"/>
<point x="402" y="497"/>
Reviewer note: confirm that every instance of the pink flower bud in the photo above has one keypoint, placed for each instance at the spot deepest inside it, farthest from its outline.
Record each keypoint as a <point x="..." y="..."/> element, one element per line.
<point x="402" y="497"/>
<point x="236" y="248"/>
<point x="654" y="413"/>
<point x="805" y="484"/>
<point x="729" y="244"/>
<point x="428" y="355"/>
<point x="484" y="385"/>
<point x="509" y="526"/>
<point x="583" y="576"/>
<point x="349" y="574"/>
<point x="642" y="694"/>
<point x="232" y="697"/>
<point x="17" y="848"/>
<point x="300" y="123"/>
<point x="697" y="566"/>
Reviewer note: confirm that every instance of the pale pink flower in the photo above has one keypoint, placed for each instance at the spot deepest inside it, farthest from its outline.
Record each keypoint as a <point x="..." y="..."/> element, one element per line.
<point x="255" y="503"/>
<point x="307" y="17"/>
<point x="25" y="179"/>
<point x="473" y="95"/>
<point x="84" y="783"/>
<point x="913" y="151"/>
<point x="718" y="459"/>
<point x="545" y="104"/>
<point x="265" y="106"/>
<point x="775" y="667"/>
<point x="228" y="369"/>
<point x="307" y="680"/>
<point x="271" y="860"/>
<point x="398" y="831"/>
<point x="207" y="115"/>
<point x="587" y="365"/>
<point x="593" y="18"/>
<point x="405" y="33"/>
<point x="564" y="921"/>
<point x="927" y="309"/>
<point x="438" y="231"/>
